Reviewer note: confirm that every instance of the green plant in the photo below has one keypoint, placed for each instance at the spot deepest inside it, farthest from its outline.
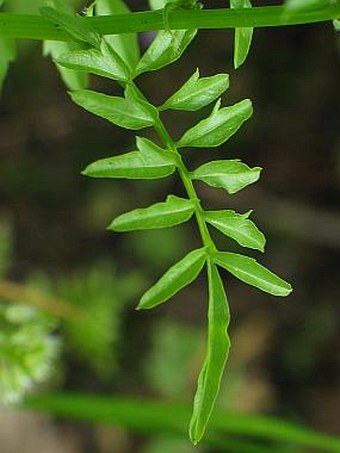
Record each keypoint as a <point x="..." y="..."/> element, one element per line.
<point x="117" y="58"/>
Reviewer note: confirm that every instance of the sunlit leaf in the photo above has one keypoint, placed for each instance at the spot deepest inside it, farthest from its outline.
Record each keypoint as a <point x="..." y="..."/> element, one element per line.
<point x="250" y="271"/>
<point x="166" y="48"/>
<point x="173" y="211"/>
<point x="117" y="110"/>
<point x="125" y="44"/>
<point x="105" y="63"/>
<point x="150" y="162"/>
<point x="243" y="35"/>
<point x="231" y="175"/>
<point x="306" y="4"/>
<point x="77" y="27"/>
<point x="197" y="92"/>
<point x="176" y="278"/>
<point x="216" y="356"/>
<point x="218" y="127"/>
<point x="238" y="227"/>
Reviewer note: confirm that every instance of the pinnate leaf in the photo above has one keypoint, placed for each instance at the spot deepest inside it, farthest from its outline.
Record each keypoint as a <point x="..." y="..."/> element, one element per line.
<point x="216" y="356"/>
<point x="238" y="227"/>
<point x="176" y="278"/>
<point x="218" y="127"/>
<point x="125" y="44"/>
<point x="197" y="92"/>
<point x="173" y="211"/>
<point x="243" y="35"/>
<point x="231" y="175"/>
<point x="150" y="162"/>
<point x="250" y="271"/>
<point x="166" y="48"/>
<point x="120" y="111"/>
<point x="77" y="27"/>
<point x="105" y="63"/>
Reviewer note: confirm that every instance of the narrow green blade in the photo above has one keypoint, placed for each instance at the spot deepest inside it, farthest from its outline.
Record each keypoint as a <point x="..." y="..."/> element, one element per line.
<point x="218" y="127"/>
<point x="172" y="212"/>
<point x="175" y="279"/>
<point x="105" y="63"/>
<point x="125" y="44"/>
<point x="166" y="48"/>
<point x="150" y="162"/>
<point x="231" y="175"/>
<point x="243" y="35"/>
<point x="117" y="110"/>
<point x="238" y="227"/>
<point x="250" y="271"/>
<point x="197" y="92"/>
<point x="216" y="356"/>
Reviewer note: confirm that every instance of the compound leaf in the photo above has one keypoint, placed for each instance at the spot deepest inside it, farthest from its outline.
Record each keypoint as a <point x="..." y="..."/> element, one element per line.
<point x="238" y="227"/>
<point x="216" y="356"/>
<point x="197" y="92"/>
<point x="243" y="35"/>
<point x="175" y="279"/>
<point x="250" y="271"/>
<point x="120" y="111"/>
<point x="218" y="127"/>
<point x="125" y="44"/>
<point x="231" y="175"/>
<point x="172" y="212"/>
<point x="150" y="162"/>
<point x="77" y="27"/>
<point x="166" y="48"/>
<point x="105" y="63"/>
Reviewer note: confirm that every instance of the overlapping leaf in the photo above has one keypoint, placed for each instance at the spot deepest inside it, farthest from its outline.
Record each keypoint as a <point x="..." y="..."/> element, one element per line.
<point x="238" y="227"/>
<point x="197" y="92"/>
<point x="166" y="48"/>
<point x="173" y="211"/>
<point x="125" y="44"/>
<point x="150" y="162"/>
<point x="120" y="111"/>
<point x="74" y="25"/>
<point x="105" y="63"/>
<point x="250" y="271"/>
<point x="231" y="175"/>
<point x="175" y="279"/>
<point x="306" y="4"/>
<point x="243" y="35"/>
<point x="218" y="127"/>
<point x="216" y="356"/>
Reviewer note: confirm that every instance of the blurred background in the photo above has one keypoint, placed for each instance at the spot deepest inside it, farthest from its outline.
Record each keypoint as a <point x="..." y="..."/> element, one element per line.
<point x="55" y="252"/>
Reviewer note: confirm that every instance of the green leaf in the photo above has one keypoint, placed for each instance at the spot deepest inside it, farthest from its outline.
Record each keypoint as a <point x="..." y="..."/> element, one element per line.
<point x="7" y="55"/>
<point x="150" y="162"/>
<point x="238" y="227"/>
<point x="306" y="4"/>
<point x="231" y="175"/>
<point x="105" y="63"/>
<point x="2" y="2"/>
<point x="216" y="356"/>
<point x="125" y="44"/>
<point x="117" y="110"/>
<point x="74" y="80"/>
<point x="197" y="93"/>
<point x="77" y="27"/>
<point x="250" y="271"/>
<point x="218" y="127"/>
<point x="166" y="48"/>
<point x="243" y="35"/>
<point x="175" y="279"/>
<point x="172" y="212"/>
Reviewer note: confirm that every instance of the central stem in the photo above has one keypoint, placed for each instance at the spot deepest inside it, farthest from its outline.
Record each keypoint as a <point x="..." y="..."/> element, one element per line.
<point x="189" y="187"/>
